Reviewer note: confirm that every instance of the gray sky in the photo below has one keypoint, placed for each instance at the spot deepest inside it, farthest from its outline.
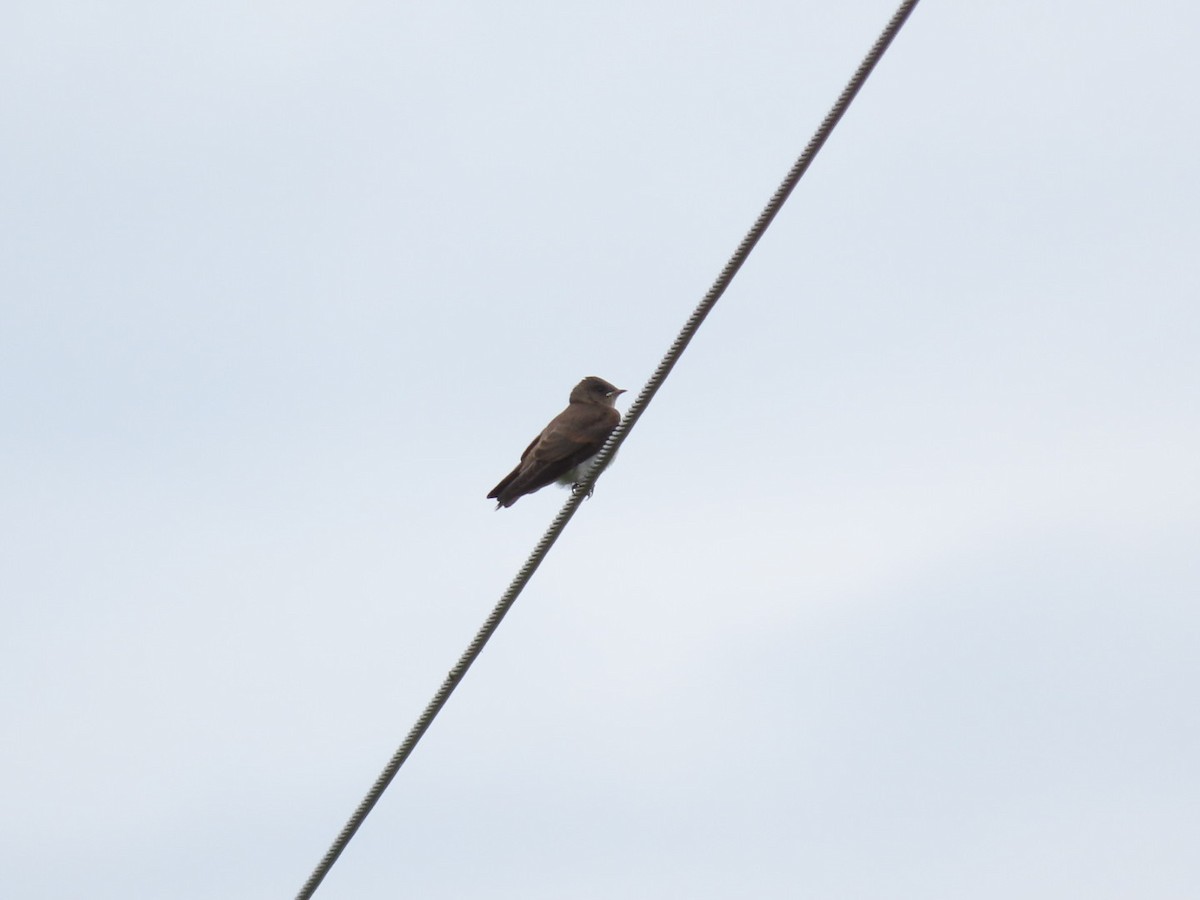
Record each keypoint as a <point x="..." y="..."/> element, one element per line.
<point x="891" y="594"/>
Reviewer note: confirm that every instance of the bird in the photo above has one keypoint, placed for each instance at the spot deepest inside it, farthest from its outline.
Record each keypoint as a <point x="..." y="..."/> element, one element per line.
<point x="565" y="446"/>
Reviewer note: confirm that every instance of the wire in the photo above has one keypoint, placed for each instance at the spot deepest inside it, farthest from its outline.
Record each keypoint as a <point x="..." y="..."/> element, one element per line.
<point x="583" y="489"/>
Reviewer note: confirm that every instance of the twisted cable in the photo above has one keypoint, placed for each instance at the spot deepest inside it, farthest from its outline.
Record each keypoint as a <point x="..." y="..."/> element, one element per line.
<point x="583" y="489"/>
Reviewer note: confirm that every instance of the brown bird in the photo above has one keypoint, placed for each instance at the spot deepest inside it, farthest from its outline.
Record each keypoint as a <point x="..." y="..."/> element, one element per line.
<point x="565" y="446"/>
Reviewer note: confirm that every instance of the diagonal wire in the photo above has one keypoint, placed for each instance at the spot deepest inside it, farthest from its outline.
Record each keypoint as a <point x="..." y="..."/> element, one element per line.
<point x="581" y="491"/>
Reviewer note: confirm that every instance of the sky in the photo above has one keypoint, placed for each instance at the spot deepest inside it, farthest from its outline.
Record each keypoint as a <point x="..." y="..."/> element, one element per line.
<point x="891" y="593"/>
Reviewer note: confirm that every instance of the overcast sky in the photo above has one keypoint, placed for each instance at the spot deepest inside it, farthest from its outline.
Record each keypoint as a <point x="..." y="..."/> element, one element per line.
<point x="892" y="593"/>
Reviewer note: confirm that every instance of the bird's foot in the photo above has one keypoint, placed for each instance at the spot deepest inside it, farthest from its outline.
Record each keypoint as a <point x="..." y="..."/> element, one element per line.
<point x="577" y="487"/>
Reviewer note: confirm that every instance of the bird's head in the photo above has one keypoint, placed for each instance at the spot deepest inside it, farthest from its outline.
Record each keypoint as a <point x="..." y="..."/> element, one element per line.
<point x="595" y="390"/>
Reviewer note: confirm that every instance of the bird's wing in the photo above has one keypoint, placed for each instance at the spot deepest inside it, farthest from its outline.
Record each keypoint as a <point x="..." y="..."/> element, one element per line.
<point x="558" y="442"/>
<point x="570" y="438"/>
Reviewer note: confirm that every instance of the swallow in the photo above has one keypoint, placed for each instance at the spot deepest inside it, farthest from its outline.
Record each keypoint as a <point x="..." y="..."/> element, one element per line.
<point x="566" y="446"/>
